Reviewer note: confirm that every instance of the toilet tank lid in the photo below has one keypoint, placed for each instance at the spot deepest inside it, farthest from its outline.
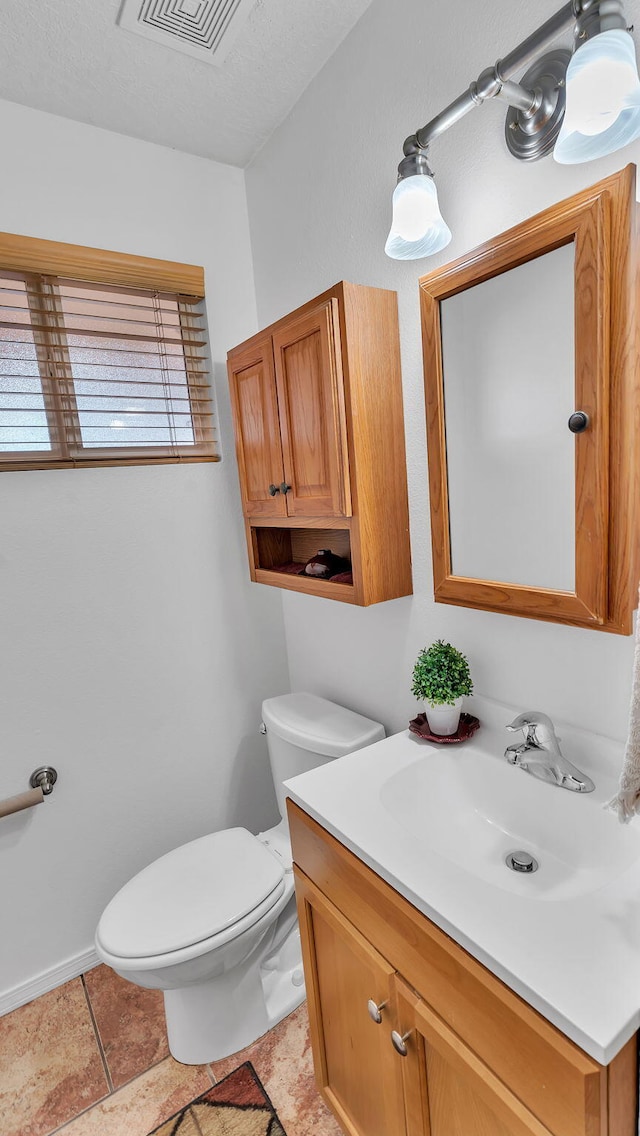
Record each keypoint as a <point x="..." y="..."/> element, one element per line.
<point x="317" y="725"/>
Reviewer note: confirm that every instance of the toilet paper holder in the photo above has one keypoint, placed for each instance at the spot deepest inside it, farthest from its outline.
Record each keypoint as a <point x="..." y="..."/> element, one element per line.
<point x="42" y="781"/>
<point x="44" y="778"/>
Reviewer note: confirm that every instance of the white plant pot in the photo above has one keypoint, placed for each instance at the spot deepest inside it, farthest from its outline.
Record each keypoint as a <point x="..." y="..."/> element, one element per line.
<point x="444" y="718"/>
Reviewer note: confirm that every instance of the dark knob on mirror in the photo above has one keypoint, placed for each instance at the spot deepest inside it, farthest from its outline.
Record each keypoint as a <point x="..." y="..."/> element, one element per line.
<point x="578" y="422"/>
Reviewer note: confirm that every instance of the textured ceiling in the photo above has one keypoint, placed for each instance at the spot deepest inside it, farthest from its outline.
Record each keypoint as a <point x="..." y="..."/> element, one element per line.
<point x="70" y="57"/>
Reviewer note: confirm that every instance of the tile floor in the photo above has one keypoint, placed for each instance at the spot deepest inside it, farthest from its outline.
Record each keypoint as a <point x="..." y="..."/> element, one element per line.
<point x="91" y="1059"/>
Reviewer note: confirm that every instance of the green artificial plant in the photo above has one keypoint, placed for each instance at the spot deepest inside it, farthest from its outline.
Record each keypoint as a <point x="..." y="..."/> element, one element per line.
<point x="441" y="675"/>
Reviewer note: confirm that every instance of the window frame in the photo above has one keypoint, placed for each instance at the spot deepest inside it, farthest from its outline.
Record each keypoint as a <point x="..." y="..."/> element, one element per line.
<point x="36" y="261"/>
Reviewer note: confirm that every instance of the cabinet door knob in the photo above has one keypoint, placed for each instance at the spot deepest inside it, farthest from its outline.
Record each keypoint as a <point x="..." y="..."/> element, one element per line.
<point x="375" y="1010"/>
<point x="284" y="487"/>
<point x="273" y="489"/>
<point x="578" y="422"/>
<point x="398" y="1041"/>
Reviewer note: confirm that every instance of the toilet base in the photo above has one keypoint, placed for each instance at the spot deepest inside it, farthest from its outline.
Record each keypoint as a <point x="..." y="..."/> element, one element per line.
<point x="283" y="984"/>
<point x="211" y="1020"/>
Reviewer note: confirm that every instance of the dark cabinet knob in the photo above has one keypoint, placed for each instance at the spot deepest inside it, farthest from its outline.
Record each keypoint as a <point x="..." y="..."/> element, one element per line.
<point x="284" y="487"/>
<point x="578" y="422"/>
<point x="273" y="489"/>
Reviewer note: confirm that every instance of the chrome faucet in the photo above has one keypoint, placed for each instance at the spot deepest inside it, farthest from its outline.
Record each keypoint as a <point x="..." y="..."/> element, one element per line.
<point x="539" y="754"/>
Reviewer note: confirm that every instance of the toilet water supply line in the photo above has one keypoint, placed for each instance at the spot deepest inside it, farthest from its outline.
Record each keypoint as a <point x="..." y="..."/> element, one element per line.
<point x="42" y="781"/>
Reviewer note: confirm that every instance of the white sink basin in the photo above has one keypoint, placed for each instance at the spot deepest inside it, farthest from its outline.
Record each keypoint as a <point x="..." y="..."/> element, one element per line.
<point x="474" y="808"/>
<point x="437" y="821"/>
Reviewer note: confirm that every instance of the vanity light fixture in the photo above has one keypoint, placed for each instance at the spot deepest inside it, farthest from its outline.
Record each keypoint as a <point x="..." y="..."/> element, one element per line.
<point x="602" y="99"/>
<point x="582" y="106"/>
<point x="417" y="228"/>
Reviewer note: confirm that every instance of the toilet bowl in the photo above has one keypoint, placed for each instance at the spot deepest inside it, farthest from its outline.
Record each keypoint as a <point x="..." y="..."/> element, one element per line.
<point x="213" y="923"/>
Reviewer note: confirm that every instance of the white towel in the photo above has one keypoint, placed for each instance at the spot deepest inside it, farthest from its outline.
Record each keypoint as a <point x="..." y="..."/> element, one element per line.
<point x="627" y="803"/>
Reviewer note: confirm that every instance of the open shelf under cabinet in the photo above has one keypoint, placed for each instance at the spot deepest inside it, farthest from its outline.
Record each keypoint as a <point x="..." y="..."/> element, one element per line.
<point x="279" y="555"/>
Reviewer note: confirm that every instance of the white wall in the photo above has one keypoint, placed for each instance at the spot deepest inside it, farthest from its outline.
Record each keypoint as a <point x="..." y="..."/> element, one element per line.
<point x="135" y="652"/>
<point x="319" y="204"/>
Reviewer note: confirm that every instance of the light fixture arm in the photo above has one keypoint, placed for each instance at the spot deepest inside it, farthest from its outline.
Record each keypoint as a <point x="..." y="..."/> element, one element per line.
<point x="581" y="104"/>
<point x="608" y="16"/>
<point x="518" y="96"/>
<point x="495" y="82"/>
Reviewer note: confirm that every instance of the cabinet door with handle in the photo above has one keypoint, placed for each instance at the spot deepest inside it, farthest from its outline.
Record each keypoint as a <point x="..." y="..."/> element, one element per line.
<point x="449" y="1090"/>
<point x="308" y="366"/>
<point x="351" y="1014"/>
<point x="255" y="412"/>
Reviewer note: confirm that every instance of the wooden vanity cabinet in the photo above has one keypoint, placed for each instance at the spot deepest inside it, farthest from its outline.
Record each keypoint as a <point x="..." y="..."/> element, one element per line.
<point x="353" y="1059"/>
<point x="318" y="420"/>
<point x="479" y="1060"/>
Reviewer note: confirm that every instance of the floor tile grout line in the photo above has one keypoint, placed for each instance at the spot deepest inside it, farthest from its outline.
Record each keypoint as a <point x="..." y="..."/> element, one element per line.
<point x="101" y="1101"/>
<point x="153" y="1065"/>
<point x="103" y="1055"/>
<point x="207" y="1070"/>
<point x="68" y="1123"/>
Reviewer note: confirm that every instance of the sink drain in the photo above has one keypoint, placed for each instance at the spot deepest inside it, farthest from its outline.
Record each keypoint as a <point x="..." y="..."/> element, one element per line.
<point x="521" y="862"/>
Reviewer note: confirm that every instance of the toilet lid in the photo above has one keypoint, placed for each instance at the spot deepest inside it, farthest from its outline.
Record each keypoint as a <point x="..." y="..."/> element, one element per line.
<point x="190" y="894"/>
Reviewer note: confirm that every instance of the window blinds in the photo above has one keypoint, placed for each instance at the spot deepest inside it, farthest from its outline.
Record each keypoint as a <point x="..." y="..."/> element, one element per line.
<point x="100" y="373"/>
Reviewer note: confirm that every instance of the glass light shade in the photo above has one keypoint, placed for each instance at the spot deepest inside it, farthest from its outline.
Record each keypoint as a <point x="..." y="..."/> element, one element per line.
<point x="603" y="99"/>
<point x="417" y="227"/>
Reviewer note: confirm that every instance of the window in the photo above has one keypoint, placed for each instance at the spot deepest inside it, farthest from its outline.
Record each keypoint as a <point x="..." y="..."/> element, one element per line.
<point x="93" y="371"/>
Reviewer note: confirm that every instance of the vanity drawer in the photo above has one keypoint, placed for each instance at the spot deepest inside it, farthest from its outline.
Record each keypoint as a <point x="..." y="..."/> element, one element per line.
<point x="563" y="1087"/>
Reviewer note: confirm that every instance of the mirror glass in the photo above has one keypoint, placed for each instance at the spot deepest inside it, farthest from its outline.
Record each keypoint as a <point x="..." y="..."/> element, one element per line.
<point x="508" y="363"/>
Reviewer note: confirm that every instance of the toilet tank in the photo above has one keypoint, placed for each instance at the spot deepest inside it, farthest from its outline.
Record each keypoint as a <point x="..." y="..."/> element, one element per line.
<point x="304" y="731"/>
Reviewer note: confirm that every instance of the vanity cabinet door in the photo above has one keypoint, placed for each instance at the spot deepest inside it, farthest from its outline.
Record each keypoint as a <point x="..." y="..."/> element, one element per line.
<point x="255" y="410"/>
<point x="308" y="366"/>
<point x="449" y="1090"/>
<point x="357" y="1070"/>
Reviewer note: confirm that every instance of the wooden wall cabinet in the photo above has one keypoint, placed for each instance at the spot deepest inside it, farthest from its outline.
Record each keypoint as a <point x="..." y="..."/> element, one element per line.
<point x="318" y="420"/>
<point x="493" y="545"/>
<point x="479" y="1061"/>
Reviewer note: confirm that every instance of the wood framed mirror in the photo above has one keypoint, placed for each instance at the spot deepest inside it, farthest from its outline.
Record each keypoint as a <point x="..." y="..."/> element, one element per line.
<point x="533" y="415"/>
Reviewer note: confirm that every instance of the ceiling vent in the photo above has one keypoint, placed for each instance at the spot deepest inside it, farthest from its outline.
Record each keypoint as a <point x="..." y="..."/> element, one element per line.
<point x="205" y="29"/>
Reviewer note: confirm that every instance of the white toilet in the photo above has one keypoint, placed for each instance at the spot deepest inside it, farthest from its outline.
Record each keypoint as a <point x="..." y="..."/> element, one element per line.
<point x="213" y="923"/>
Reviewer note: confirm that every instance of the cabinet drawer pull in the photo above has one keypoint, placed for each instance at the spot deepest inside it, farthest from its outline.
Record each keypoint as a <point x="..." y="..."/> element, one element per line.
<point x="398" y="1041"/>
<point x="273" y="489"/>
<point x="375" y="1010"/>
<point x="284" y="487"/>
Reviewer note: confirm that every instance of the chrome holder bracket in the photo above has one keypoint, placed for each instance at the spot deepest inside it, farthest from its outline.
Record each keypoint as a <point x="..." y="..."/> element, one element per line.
<point x="532" y="134"/>
<point x="44" y="778"/>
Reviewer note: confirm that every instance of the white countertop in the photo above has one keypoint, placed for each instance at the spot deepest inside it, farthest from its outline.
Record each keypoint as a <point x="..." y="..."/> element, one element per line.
<point x="574" y="957"/>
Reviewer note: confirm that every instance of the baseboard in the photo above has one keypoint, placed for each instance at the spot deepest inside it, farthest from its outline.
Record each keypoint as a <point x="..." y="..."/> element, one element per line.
<point x="46" y="981"/>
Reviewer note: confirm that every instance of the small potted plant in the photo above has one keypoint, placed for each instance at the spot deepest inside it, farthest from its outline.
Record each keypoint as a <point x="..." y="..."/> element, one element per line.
<point x="441" y="678"/>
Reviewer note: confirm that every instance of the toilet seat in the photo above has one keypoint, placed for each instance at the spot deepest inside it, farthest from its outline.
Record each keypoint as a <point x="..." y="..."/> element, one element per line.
<point x="196" y="897"/>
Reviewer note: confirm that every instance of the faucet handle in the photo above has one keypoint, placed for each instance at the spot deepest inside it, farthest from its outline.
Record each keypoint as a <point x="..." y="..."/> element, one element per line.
<point x="528" y="729"/>
<point x="538" y="727"/>
<point x="522" y="722"/>
<point x="530" y="718"/>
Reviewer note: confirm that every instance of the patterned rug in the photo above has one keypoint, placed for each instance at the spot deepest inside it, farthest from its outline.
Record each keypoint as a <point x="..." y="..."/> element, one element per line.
<point x="237" y="1106"/>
